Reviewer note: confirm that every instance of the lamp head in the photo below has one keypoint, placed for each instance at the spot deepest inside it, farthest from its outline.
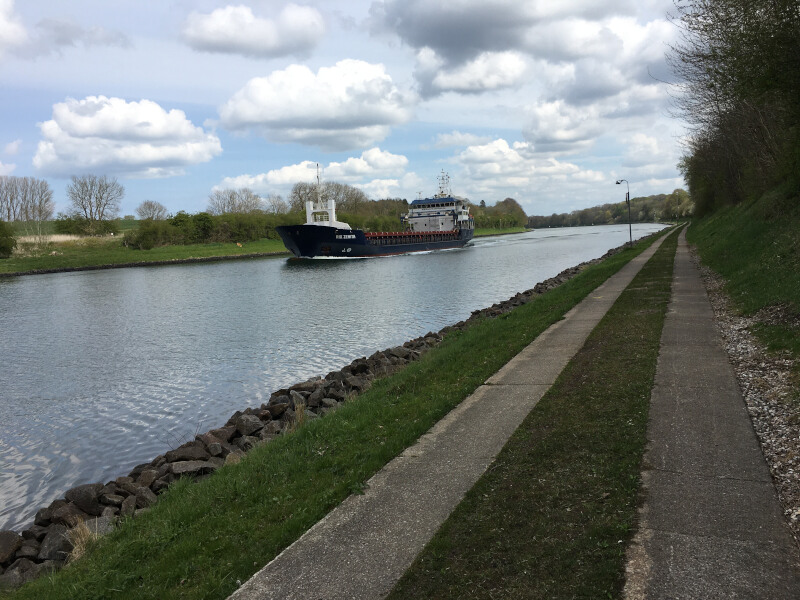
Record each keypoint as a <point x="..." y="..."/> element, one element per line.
<point x="619" y="182"/>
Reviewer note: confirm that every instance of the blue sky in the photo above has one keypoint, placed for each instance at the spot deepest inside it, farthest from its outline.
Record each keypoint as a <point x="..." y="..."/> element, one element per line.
<point x="546" y="102"/>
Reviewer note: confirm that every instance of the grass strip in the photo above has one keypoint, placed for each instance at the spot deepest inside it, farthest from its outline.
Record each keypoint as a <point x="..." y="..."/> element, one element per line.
<point x="552" y="516"/>
<point x="99" y="252"/>
<point x="200" y="539"/>
<point x="755" y="246"/>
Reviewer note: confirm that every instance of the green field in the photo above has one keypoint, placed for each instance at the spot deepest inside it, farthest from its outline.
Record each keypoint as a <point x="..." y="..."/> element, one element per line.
<point x="99" y="252"/>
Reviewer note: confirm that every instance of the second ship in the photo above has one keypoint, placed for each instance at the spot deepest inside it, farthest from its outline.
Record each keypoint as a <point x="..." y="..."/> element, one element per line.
<point x="436" y="223"/>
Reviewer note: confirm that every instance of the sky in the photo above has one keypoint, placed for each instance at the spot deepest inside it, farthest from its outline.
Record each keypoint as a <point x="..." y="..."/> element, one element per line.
<point x="547" y="102"/>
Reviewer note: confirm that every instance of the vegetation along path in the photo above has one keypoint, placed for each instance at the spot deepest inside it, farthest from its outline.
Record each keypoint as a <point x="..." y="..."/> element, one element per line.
<point x="363" y="547"/>
<point x="551" y="516"/>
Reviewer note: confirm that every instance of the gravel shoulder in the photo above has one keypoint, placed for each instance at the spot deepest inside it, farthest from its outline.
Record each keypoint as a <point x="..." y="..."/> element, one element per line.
<point x="765" y="379"/>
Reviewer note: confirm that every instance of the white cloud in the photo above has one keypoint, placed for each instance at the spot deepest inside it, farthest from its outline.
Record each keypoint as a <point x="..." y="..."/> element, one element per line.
<point x="349" y="105"/>
<point x="373" y="164"/>
<point x="12" y="148"/>
<point x="498" y="169"/>
<point x="571" y="39"/>
<point x="458" y="138"/>
<point x="12" y="32"/>
<point x="52" y="36"/>
<point x="488" y="71"/>
<point x="558" y="127"/>
<point x="110" y="135"/>
<point x="265" y="183"/>
<point x="236" y="30"/>
<point x="380" y="188"/>
<point x="7" y="169"/>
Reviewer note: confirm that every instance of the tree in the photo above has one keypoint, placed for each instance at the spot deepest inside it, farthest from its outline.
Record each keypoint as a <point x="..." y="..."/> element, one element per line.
<point x="240" y="201"/>
<point x="277" y="205"/>
<point x="301" y="193"/>
<point x="150" y="209"/>
<point x="739" y="66"/>
<point x="27" y="200"/>
<point x="95" y="199"/>
<point x="348" y="199"/>
<point x="7" y="241"/>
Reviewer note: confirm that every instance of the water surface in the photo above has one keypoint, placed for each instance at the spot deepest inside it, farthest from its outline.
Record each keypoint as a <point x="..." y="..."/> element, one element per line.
<point x="102" y="370"/>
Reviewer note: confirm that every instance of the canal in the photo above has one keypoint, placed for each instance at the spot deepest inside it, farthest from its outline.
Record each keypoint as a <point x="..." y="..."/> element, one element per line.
<point x="102" y="370"/>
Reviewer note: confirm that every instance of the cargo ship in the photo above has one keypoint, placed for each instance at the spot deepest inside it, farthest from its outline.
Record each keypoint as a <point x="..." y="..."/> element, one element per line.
<point x="437" y="223"/>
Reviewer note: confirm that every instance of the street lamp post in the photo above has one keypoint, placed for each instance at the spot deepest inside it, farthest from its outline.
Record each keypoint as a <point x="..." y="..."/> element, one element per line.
<point x="628" y="202"/>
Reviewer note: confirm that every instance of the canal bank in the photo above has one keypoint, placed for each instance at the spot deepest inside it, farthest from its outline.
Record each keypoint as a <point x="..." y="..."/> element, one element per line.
<point x="491" y="343"/>
<point x="362" y="548"/>
<point x="123" y="365"/>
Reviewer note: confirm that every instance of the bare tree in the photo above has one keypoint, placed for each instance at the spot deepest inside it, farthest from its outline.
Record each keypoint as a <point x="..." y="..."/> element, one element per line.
<point x="347" y="197"/>
<point x="277" y="205"/>
<point x="9" y="198"/>
<point x="27" y="200"/>
<point x="301" y="193"/>
<point x="95" y="198"/>
<point x="37" y="206"/>
<point x="225" y="201"/>
<point x="150" y="209"/>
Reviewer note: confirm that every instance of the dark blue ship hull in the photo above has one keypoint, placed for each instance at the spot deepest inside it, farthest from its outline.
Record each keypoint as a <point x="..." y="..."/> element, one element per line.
<point x="313" y="241"/>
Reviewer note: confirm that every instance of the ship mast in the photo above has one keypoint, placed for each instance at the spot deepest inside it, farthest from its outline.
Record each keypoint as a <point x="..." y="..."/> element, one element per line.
<point x="444" y="185"/>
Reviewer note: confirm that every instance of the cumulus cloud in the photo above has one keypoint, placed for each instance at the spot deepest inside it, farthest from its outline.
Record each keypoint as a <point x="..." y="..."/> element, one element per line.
<point x="375" y="165"/>
<point x="265" y="183"/>
<point x="236" y="30"/>
<point x="499" y="168"/>
<point x="372" y="163"/>
<point x="458" y="138"/>
<point x="488" y="71"/>
<point x="12" y="32"/>
<point x="6" y="169"/>
<point x="349" y="105"/>
<point x="52" y="36"/>
<point x="12" y="148"/>
<point x="110" y="135"/>
<point x="559" y="127"/>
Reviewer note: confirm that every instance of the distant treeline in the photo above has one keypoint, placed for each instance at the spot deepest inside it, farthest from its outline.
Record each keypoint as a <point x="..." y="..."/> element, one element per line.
<point x="505" y="214"/>
<point x="242" y="216"/>
<point x="649" y="209"/>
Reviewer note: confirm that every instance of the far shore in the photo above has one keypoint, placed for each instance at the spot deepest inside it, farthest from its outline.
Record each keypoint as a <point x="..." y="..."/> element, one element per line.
<point x="182" y="254"/>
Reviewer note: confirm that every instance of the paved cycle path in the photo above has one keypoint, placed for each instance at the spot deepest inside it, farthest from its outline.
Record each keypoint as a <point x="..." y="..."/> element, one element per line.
<point x="711" y="525"/>
<point x="365" y="545"/>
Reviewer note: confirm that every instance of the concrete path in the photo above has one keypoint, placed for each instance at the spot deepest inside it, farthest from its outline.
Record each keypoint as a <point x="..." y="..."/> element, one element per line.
<point x="711" y="526"/>
<point x="365" y="545"/>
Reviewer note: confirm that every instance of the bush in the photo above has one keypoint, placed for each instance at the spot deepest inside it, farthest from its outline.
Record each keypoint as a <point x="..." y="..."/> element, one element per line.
<point x="7" y="240"/>
<point x="77" y="225"/>
<point x="153" y="233"/>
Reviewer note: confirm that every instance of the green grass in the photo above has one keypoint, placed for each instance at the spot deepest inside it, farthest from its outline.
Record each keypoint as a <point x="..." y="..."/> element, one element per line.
<point x="49" y="227"/>
<point x="201" y="538"/>
<point x="483" y="231"/>
<point x="93" y="252"/>
<point x="552" y="515"/>
<point x="756" y="248"/>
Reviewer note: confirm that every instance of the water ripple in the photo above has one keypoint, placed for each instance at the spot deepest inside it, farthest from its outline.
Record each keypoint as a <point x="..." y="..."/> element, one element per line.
<point x="111" y="368"/>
